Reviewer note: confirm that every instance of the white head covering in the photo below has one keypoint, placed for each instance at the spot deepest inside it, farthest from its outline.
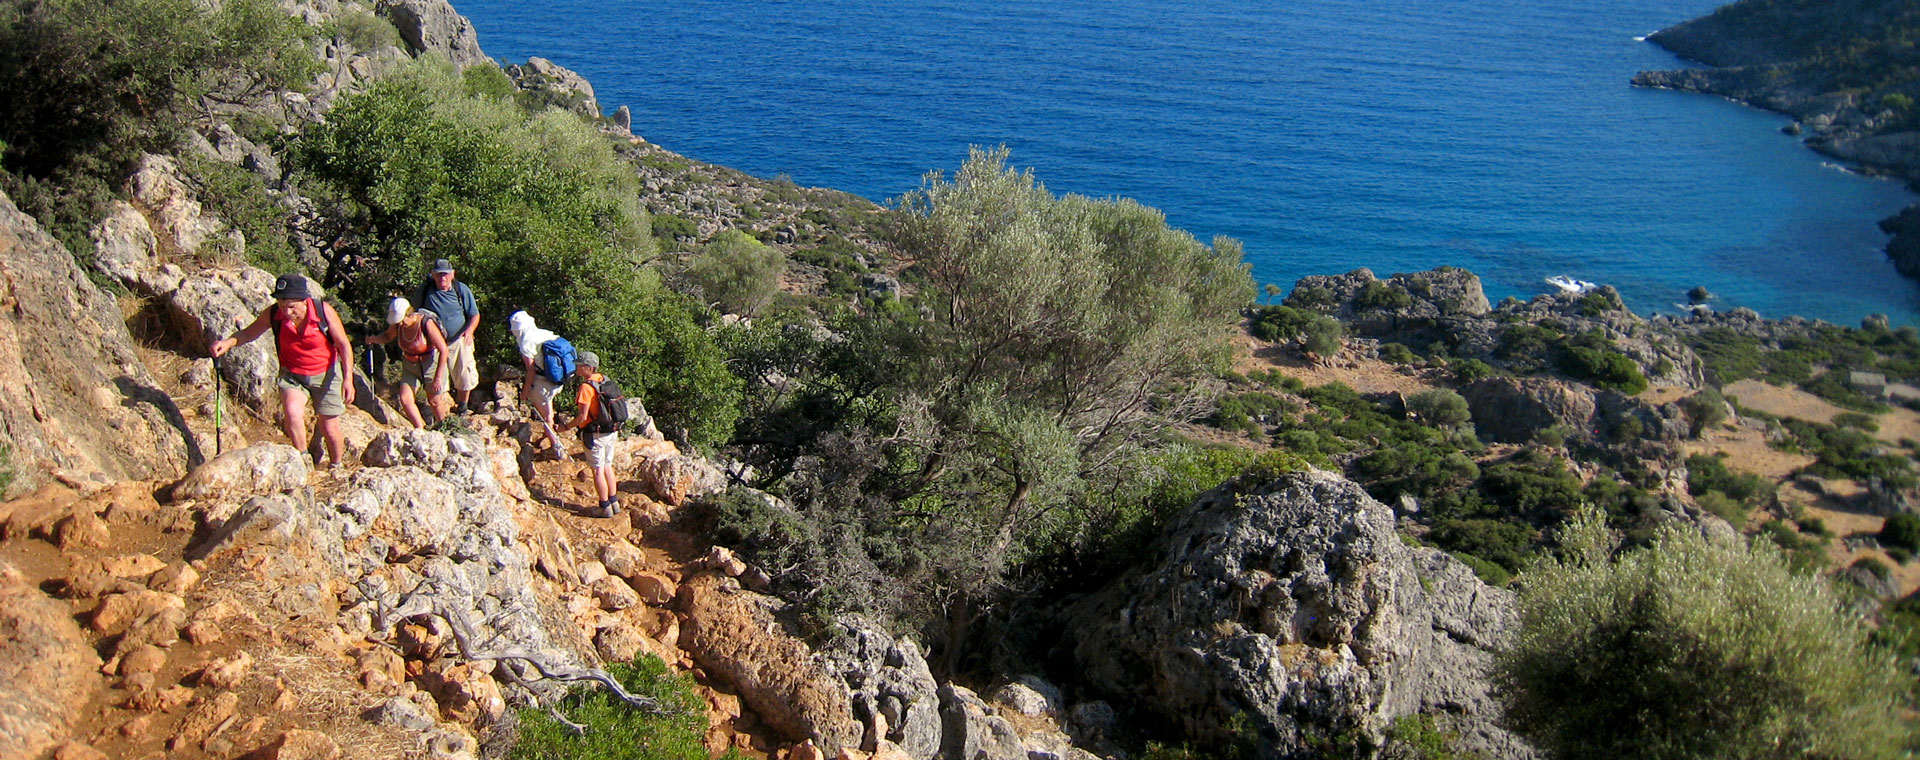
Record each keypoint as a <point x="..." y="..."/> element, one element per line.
<point x="527" y="336"/>
<point x="397" y="310"/>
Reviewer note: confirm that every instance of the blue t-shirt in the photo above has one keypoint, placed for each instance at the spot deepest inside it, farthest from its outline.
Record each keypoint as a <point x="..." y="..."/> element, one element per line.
<point x="453" y="306"/>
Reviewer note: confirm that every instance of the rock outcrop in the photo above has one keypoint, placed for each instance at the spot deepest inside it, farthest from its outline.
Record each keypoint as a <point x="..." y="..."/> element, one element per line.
<point x="1413" y="308"/>
<point x="558" y="84"/>
<point x="434" y="26"/>
<point x="1297" y="606"/>
<point x="733" y="634"/>
<point x="75" y="399"/>
<point x="48" y="672"/>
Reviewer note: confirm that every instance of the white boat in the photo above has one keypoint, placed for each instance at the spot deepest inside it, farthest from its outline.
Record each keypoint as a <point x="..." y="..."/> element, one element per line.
<point x="1568" y="284"/>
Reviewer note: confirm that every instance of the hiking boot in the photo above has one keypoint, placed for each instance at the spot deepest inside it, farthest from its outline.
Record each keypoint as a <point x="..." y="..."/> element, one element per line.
<point x="608" y="508"/>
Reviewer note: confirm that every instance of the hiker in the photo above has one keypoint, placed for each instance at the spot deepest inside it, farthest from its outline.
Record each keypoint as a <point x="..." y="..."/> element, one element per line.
<point x="315" y="361"/>
<point x="548" y="360"/>
<point x="417" y="332"/>
<point x="599" y="425"/>
<point x="452" y="301"/>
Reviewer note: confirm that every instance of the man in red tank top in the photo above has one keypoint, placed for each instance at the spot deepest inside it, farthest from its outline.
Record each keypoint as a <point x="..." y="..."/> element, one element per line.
<point x="315" y="361"/>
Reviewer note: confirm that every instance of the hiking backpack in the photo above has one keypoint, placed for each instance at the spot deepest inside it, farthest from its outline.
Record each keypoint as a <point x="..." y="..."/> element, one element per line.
<point x="614" y="412"/>
<point x="556" y="358"/>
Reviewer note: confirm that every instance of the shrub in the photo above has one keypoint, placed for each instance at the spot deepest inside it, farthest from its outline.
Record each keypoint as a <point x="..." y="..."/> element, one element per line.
<point x="616" y="730"/>
<point x="1470" y="370"/>
<point x="1395" y="353"/>
<point x="1323" y="336"/>
<point x="1726" y="508"/>
<point x="1439" y="407"/>
<point x="1490" y="573"/>
<point x="1692" y="647"/>
<point x="1704" y="410"/>
<point x="737" y="272"/>
<point x="1379" y="296"/>
<point x="1901" y="531"/>
<point x="1856" y="421"/>
<point x="1604" y="368"/>
<point x="1599" y="303"/>
<point x="1275" y="323"/>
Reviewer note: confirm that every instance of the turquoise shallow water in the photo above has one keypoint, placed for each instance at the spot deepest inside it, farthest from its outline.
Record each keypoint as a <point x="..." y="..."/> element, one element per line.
<point x="1325" y="134"/>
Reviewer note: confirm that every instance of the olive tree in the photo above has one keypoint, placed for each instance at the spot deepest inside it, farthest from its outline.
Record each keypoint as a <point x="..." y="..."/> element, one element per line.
<point x="739" y="274"/>
<point x="1693" y="647"/>
<point x="1061" y="333"/>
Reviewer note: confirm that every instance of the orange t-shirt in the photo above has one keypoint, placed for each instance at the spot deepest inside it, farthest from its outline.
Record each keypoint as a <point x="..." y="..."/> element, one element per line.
<point x="587" y="401"/>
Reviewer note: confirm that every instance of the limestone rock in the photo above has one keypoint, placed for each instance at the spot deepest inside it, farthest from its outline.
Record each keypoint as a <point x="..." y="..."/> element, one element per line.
<point x="300" y="744"/>
<point x="1298" y="602"/>
<point x="558" y="83"/>
<point x="1027" y="700"/>
<point x="48" y="672"/>
<point x="614" y="594"/>
<point x="63" y="346"/>
<point x="672" y="477"/>
<point x="889" y="678"/>
<point x="1514" y="409"/>
<point x="433" y="25"/>
<point x="257" y="470"/>
<point x="973" y="731"/>
<point x="734" y="636"/>
<point x="623" y="559"/>
<point x="654" y="588"/>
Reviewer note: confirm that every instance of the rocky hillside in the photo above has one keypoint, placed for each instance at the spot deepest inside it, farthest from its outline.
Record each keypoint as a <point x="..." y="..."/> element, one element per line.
<point x="1845" y="71"/>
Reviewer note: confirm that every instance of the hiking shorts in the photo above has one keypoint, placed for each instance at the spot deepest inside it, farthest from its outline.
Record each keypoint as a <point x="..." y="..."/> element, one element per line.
<point x="544" y="390"/>
<point x="600" y="449"/>
<point x="465" y="373"/>
<point x="420" y="374"/>
<point x="328" y="399"/>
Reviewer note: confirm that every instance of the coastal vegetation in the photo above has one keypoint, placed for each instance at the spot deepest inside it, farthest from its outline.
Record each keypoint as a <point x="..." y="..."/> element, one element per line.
<point x="1693" y="647"/>
<point x="981" y="401"/>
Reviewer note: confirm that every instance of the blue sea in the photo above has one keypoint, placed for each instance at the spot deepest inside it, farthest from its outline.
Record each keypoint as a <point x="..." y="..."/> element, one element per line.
<point x="1326" y="135"/>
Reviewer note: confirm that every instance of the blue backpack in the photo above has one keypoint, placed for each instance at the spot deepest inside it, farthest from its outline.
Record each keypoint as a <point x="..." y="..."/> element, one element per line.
<point x="556" y="357"/>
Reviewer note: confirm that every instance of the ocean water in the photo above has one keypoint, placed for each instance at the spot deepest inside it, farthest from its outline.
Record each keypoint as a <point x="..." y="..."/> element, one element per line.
<point x="1326" y="135"/>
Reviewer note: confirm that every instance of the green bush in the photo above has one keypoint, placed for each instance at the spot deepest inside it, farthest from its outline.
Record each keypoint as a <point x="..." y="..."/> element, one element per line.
<point x="1379" y="296"/>
<point x="616" y="730"/>
<point x="1901" y="531"/>
<point x="1599" y="303"/>
<point x="1470" y="370"/>
<point x="1704" y="409"/>
<point x="1395" y="353"/>
<point x="1275" y="323"/>
<point x="1717" y="503"/>
<point x="1604" y="368"/>
<point x="1439" y="407"/>
<point x="240" y="197"/>
<point x="1323" y="336"/>
<point x="1692" y="647"/>
<point x="1503" y="543"/>
<point x="738" y="273"/>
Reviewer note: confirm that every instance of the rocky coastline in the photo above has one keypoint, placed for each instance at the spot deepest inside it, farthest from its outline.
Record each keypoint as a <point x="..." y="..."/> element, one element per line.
<point x="1778" y="55"/>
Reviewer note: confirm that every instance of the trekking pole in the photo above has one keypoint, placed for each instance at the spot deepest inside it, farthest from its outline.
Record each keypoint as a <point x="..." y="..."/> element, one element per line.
<point x="219" y="441"/>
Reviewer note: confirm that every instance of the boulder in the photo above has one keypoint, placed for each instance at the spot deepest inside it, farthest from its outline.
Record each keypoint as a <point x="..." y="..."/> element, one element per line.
<point x="434" y="26"/>
<point x="888" y="678"/>
<point x="49" y="674"/>
<point x="1297" y="605"/>
<point x="257" y="470"/>
<point x="973" y="731"/>
<point x="1515" y="409"/>
<point x="558" y="83"/>
<point x="671" y="477"/>
<point x="736" y="637"/>
<point x="75" y="397"/>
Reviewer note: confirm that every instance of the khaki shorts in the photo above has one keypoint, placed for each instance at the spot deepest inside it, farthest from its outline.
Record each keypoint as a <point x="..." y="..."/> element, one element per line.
<point x="544" y="390"/>
<point x="600" y="449"/>
<point x="464" y="372"/>
<point x="419" y="374"/>
<point x="328" y="400"/>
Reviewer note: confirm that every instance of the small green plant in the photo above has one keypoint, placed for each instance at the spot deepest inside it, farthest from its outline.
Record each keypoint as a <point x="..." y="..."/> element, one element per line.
<point x="616" y="730"/>
<point x="1419" y="738"/>
<point x="1379" y="296"/>
<point x="6" y="470"/>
